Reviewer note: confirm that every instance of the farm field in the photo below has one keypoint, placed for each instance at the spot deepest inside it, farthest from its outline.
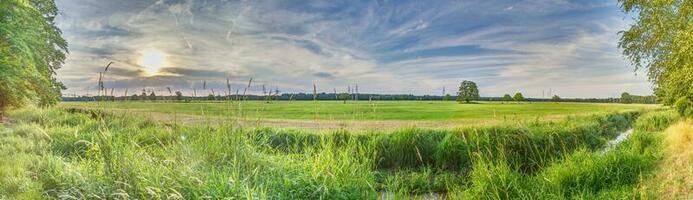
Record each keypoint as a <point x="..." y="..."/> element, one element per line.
<point x="361" y="114"/>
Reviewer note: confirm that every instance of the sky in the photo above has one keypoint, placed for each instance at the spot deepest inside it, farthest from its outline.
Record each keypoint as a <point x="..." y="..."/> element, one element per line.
<point x="537" y="47"/>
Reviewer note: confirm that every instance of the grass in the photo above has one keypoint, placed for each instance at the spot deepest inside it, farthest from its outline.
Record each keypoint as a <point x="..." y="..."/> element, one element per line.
<point x="58" y="153"/>
<point x="674" y="179"/>
<point x="355" y="115"/>
<point x="373" y="110"/>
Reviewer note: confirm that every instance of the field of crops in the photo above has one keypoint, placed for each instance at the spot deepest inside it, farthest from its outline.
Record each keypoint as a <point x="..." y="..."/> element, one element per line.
<point x="88" y="153"/>
<point x="361" y="114"/>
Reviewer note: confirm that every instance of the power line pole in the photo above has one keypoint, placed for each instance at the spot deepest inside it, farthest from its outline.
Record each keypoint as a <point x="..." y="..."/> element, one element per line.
<point x="356" y="97"/>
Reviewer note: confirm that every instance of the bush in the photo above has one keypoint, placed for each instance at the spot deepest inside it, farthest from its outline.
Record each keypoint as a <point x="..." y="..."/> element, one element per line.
<point x="684" y="106"/>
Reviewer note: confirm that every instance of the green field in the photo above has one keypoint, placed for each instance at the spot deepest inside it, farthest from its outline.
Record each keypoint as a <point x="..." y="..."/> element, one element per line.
<point x="374" y="114"/>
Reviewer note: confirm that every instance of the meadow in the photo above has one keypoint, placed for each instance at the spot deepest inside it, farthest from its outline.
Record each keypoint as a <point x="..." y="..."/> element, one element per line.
<point x="360" y="114"/>
<point x="66" y="153"/>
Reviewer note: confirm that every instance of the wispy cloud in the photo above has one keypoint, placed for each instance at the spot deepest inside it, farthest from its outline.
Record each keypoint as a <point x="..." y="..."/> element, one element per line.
<point x="393" y="47"/>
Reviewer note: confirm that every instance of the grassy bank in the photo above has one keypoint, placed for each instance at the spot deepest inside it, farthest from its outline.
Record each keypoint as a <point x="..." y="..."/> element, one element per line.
<point x="58" y="154"/>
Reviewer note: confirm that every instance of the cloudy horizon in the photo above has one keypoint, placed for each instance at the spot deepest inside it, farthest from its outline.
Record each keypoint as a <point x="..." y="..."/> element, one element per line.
<point x="394" y="47"/>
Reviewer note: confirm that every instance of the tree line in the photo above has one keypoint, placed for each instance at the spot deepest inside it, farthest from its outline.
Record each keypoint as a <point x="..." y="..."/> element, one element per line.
<point x="179" y="97"/>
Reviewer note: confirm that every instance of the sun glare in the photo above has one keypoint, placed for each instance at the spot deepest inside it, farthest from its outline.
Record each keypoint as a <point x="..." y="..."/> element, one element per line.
<point x="152" y="60"/>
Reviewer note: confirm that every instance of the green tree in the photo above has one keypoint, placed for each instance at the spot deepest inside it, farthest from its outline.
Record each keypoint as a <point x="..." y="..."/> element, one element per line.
<point x="626" y="98"/>
<point x="31" y="50"/>
<point x="344" y="96"/>
<point x="447" y="97"/>
<point x="555" y="98"/>
<point x="507" y="97"/>
<point x="661" y="41"/>
<point x="467" y="92"/>
<point x="518" y="97"/>
<point x="684" y="106"/>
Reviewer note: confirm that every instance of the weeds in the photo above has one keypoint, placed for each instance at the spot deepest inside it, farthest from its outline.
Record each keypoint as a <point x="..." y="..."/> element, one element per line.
<point x="60" y="154"/>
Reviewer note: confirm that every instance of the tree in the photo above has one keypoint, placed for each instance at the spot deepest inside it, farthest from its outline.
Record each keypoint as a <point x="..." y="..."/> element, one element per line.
<point x="31" y="50"/>
<point x="211" y="97"/>
<point x="555" y="98"/>
<point x="518" y="97"/>
<point x="447" y="97"/>
<point x="684" y="107"/>
<point x="179" y="95"/>
<point x="507" y="97"/>
<point x="344" y="96"/>
<point x="661" y="41"/>
<point x="152" y="96"/>
<point x="626" y="98"/>
<point x="468" y="92"/>
<point x="143" y="96"/>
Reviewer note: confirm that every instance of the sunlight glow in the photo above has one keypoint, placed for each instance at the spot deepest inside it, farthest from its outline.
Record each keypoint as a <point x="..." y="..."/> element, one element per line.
<point x="152" y="60"/>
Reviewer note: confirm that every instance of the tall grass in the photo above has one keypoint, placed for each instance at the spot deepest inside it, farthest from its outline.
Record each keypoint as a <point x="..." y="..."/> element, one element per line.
<point x="83" y="154"/>
<point x="674" y="179"/>
<point x="581" y="174"/>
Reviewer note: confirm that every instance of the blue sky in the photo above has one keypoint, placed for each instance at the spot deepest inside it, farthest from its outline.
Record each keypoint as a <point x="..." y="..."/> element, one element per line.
<point x="419" y="47"/>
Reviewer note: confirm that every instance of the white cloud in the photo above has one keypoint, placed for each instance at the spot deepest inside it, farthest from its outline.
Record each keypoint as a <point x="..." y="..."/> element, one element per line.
<point x="335" y="45"/>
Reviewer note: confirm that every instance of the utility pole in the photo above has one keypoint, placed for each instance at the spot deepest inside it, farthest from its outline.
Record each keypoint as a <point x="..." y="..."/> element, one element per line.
<point x="356" y="97"/>
<point x="228" y="89"/>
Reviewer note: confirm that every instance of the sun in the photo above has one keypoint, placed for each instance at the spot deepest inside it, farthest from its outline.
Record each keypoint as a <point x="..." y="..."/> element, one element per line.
<point x="152" y="60"/>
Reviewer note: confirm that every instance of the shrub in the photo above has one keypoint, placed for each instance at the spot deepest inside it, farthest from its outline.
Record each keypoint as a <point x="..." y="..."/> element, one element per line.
<point x="684" y="106"/>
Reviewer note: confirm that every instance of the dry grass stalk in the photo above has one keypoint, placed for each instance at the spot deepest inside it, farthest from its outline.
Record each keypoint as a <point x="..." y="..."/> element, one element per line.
<point x="247" y="87"/>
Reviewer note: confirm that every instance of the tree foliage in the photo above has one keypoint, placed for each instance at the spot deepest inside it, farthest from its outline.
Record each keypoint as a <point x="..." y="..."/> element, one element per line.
<point x="447" y="97"/>
<point x="555" y="98"/>
<point x="344" y="96"/>
<point x="31" y="50"/>
<point x="661" y="41"/>
<point x="518" y="97"/>
<point x="507" y="97"/>
<point x="467" y="92"/>
<point x="629" y="98"/>
<point x="684" y="106"/>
